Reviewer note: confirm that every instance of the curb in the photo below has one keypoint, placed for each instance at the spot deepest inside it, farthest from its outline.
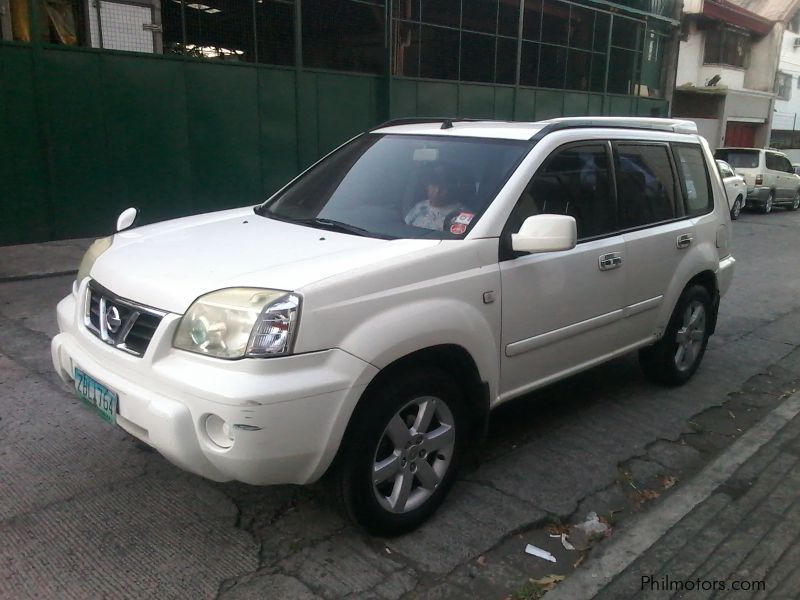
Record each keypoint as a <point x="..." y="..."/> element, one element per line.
<point x="643" y="533"/>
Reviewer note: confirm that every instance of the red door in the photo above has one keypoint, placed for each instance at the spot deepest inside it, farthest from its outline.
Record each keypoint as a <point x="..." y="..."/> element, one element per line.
<point x="740" y="135"/>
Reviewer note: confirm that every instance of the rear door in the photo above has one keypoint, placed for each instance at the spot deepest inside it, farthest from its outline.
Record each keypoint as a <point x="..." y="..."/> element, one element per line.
<point x="657" y="229"/>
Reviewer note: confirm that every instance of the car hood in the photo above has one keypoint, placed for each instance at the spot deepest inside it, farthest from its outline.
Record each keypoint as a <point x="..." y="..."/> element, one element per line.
<point x="170" y="264"/>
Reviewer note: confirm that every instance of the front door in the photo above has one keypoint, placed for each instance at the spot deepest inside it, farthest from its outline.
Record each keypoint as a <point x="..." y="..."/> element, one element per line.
<point x="562" y="311"/>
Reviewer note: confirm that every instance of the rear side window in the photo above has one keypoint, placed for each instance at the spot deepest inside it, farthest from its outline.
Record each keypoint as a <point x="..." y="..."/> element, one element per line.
<point x="573" y="181"/>
<point x="694" y="176"/>
<point x="645" y="185"/>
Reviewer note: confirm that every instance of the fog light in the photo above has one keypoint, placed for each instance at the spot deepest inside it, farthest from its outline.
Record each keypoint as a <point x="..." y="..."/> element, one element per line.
<point x="219" y="431"/>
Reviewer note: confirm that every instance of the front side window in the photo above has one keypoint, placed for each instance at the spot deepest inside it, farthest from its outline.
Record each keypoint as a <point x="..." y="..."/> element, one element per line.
<point x="400" y="186"/>
<point x="697" y="187"/>
<point x="573" y="181"/>
<point x="645" y="185"/>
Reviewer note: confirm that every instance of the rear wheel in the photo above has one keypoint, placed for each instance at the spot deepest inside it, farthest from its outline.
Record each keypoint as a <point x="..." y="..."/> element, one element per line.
<point x="767" y="208"/>
<point x="736" y="209"/>
<point x="402" y="451"/>
<point x="795" y="202"/>
<point x="674" y="359"/>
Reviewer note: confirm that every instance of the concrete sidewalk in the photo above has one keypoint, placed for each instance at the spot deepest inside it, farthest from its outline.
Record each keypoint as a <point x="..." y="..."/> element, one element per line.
<point x="733" y="531"/>
<point x="47" y="259"/>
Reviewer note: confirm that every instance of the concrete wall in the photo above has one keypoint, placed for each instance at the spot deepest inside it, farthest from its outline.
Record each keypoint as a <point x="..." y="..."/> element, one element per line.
<point x="710" y="129"/>
<point x="764" y="56"/>
<point x="690" y="57"/>
<point x="692" y="6"/>
<point x="785" y="111"/>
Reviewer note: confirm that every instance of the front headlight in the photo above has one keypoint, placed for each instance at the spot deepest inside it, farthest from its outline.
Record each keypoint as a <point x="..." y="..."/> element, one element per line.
<point x="240" y="322"/>
<point x="92" y="254"/>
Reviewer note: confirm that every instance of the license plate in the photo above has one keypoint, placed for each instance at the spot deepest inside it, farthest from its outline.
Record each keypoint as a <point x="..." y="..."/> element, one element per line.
<point x="96" y="395"/>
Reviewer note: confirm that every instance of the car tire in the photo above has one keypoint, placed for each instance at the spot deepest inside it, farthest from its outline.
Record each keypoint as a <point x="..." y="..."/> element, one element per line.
<point x="767" y="208"/>
<point x="677" y="355"/>
<point x="736" y="209"/>
<point x="412" y="423"/>
<point x="795" y="202"/>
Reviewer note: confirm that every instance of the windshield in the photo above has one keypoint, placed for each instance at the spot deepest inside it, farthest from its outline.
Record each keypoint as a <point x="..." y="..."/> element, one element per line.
<point x="400" y="186"/>
<point x="739" y="159"/>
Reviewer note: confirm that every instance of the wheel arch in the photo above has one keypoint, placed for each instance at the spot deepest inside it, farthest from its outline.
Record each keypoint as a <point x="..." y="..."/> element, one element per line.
<point x="708" y="279"/>
<point x="453" y="359"/>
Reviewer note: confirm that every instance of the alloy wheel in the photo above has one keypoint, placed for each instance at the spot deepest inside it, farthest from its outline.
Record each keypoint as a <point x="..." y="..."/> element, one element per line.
<point x="690" y="336"/>
<point x="414" y="454"/>
<point x="737" y="209"/>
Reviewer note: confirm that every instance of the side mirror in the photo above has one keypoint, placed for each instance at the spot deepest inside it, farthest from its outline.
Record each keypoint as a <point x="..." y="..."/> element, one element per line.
<point x="546" y="233"/>
<point x="126" y="218"/>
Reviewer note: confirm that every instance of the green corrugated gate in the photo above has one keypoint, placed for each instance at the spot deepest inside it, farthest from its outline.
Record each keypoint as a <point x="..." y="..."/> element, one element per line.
<point x="86" y="133"/>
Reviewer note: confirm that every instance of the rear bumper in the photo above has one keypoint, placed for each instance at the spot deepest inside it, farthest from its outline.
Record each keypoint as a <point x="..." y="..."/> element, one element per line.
<point x="724" y="273"/>
<point x="287" y="415"/>
<point x="757" y="196"/>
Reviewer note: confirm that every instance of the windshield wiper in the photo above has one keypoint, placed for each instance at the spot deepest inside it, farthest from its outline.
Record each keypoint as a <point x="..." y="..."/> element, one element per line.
<point x="339" y="226"/>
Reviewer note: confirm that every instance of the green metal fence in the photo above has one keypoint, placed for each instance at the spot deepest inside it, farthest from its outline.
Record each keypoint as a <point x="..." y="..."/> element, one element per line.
<point x="85" y="133"/>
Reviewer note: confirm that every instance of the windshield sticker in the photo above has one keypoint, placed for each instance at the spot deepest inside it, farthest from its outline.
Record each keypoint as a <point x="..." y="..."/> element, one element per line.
<point x="464" y="217"/>
<point x="458" y="228"/>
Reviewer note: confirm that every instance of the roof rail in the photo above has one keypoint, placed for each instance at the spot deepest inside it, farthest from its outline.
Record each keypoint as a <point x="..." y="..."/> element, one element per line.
<point x="423" y="120"/>
<point x="671" y="125"/>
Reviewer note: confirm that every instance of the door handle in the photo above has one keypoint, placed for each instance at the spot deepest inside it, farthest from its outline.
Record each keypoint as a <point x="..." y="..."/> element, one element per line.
<point x="684" y="240"/>
<point x="612" y="260"/>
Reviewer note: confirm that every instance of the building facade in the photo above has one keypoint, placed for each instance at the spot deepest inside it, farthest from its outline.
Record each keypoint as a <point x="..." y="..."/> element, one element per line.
<point x="183" y="106"/>
<point x="786" y="117"/>
<point x="727" y="68"/>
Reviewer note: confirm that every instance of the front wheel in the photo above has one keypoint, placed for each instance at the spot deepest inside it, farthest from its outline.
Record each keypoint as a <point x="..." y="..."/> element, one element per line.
<point x="736" y="209"/>
<point x="675" y="357"/>
<point x="402" y="451"/>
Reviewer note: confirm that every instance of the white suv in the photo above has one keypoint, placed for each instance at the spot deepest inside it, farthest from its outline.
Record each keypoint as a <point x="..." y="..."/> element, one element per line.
<point x="369" y="315"/>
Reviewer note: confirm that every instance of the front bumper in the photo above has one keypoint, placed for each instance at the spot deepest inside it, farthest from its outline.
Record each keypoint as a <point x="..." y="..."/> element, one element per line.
<point x="288" y="414"/>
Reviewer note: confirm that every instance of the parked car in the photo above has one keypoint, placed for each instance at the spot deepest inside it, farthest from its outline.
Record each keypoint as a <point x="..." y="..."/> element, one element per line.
<point x="365" y="319"/>
<point x="770" y="177"/>
<point x="735" y="188"/>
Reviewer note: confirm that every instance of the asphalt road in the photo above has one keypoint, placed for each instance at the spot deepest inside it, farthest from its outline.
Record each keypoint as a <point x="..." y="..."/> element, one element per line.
<point x="87" y="511"/>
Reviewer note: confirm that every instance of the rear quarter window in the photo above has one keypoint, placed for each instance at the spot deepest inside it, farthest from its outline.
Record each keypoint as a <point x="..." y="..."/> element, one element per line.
<point x="695" y="181"/>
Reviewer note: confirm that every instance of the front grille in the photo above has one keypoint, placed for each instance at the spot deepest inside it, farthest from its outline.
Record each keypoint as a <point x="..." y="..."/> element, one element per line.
<point x="121" y="323"/>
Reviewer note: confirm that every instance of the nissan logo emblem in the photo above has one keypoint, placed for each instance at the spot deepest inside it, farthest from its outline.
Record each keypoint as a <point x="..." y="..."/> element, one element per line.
<point x="113" y="320"/>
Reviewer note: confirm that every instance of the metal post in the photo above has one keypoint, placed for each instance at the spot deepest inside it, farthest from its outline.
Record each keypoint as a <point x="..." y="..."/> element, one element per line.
<point x="388" y="36"/>
<point x="99" y="23"/>
<point x="183" y="24"/>
<point x="519" y="57"/>
<point x="255" y="32"/>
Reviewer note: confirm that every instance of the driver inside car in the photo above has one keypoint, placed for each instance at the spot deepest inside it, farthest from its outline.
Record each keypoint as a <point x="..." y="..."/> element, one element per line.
<point x="438" y="207"/>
